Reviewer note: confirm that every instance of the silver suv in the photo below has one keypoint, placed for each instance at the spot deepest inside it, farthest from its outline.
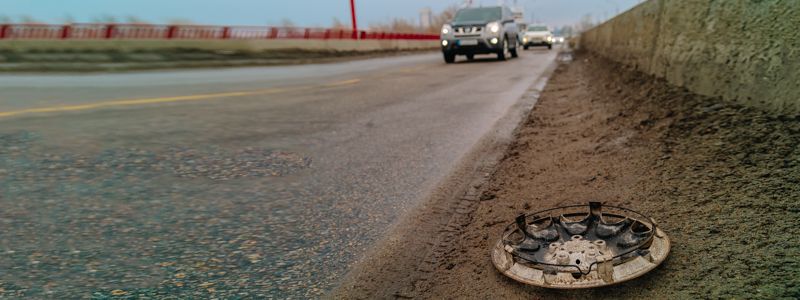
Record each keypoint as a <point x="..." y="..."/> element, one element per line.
<point x="481" y="30"/>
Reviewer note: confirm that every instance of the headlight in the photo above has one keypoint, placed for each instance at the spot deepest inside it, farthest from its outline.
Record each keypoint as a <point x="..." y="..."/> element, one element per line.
<point x="525" y="40"/>
<point x="494" y="27"/>
<point x="446" y="29"/>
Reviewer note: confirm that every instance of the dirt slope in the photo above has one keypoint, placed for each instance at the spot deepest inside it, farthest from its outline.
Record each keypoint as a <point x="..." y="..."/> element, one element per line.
<point x="721" y="179"/>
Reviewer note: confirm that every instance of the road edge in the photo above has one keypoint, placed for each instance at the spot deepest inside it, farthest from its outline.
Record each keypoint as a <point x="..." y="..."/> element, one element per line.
<point x="403" y="261"/>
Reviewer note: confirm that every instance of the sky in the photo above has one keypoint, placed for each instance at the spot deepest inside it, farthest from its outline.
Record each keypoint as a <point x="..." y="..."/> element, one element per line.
<point x="310" y="13"/>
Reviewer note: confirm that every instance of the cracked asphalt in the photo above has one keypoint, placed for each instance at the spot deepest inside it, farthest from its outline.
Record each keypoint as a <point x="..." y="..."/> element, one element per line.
<point x="265" y="182"/>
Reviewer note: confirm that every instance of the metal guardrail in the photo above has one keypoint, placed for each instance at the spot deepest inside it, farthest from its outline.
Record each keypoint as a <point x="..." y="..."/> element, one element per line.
<point x="194" y="32"/>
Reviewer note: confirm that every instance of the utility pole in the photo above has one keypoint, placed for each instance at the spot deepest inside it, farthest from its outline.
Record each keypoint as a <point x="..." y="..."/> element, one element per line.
<point x="353" y="17"/>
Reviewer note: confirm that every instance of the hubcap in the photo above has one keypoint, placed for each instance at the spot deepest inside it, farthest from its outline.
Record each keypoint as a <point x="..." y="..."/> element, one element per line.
<point x="570" y="248"/>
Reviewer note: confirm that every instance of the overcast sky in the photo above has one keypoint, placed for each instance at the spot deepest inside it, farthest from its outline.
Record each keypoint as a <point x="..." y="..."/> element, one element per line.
<point x="301" y="12"/>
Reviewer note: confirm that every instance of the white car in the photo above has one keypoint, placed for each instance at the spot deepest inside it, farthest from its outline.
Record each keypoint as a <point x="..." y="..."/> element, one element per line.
<point x="537" y="35"/>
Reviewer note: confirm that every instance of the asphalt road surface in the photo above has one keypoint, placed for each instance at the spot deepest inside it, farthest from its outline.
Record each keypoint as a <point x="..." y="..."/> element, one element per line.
<point x="251" y="182"/>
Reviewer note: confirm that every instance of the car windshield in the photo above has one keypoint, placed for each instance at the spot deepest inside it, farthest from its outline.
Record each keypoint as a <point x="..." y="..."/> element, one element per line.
<point x="537" y="28"/>
<point x="478" y="15"/>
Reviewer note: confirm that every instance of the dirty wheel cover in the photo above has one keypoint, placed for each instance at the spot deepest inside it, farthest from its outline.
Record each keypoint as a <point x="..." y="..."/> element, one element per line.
<point x="565" y="248"/>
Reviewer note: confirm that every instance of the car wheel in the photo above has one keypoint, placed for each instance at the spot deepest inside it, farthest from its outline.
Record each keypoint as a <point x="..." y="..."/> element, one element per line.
<point x="526" y="47"/>
<point x="513" y="52"/>
<point x="550" y="46"/>
<point x="449" y="58"/>
<point x="503" y="54"/>
<point x="470" y="56"/>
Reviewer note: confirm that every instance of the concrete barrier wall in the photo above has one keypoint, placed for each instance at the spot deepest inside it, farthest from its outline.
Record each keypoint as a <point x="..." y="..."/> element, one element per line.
<point x="234" y="45"/>
<point x="747" y="51"/>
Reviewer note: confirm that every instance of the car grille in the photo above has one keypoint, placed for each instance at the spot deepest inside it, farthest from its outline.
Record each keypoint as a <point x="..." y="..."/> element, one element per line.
<point x="467" y="30"/>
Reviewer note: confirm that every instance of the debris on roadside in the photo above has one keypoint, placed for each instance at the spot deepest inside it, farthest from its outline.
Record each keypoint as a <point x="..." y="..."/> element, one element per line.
<point x="566" y="248"/>
<point x="564" y="57"/>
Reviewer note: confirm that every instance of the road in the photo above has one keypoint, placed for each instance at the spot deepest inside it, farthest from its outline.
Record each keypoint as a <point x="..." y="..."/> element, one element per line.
<point x="246" y="182"/>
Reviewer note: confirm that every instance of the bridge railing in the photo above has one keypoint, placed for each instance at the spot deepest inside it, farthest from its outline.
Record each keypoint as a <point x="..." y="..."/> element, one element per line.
<point x="82" y="31"/>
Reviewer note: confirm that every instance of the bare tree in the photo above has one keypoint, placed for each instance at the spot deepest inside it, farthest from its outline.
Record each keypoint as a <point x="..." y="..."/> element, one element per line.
<point x="135" y="20"/>
<point x="404" y="25"/>
<point x="442" y="18"/>
<point x="287" y="23"/>
<point x="338" y="24"/>
<point x="566" y="31"/>
<point x="105" y="18"/>
<point x="396" y="25"/>
<point x="180" y="21"/>
<point x="27" y="19"/>
<point x="68" y="19"/>
<point x="585" y="23"/>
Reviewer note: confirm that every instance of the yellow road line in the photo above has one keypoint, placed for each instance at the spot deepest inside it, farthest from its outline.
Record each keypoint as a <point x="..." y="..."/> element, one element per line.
<point x="132" y="102"/>
<point x="346" y="82"/>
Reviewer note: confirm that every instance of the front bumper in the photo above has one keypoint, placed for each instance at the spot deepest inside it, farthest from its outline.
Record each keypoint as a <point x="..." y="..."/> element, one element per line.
<point x="539" y="43"/>
<point x="536" y="41"/>
<point x="484" y="46"/>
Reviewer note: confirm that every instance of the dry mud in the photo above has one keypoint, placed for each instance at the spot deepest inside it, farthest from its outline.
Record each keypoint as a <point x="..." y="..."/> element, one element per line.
<point x="720" y="178"/>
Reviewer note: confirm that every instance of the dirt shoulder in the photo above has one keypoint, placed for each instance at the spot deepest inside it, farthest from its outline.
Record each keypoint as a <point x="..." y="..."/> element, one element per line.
<point x="411" y="249"/>
<point x="119" y="61"/>
<point x="721" y="179"/>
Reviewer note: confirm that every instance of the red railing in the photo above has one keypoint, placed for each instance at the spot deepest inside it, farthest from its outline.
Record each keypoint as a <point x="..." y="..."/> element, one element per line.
<point x="194" y="32"/>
